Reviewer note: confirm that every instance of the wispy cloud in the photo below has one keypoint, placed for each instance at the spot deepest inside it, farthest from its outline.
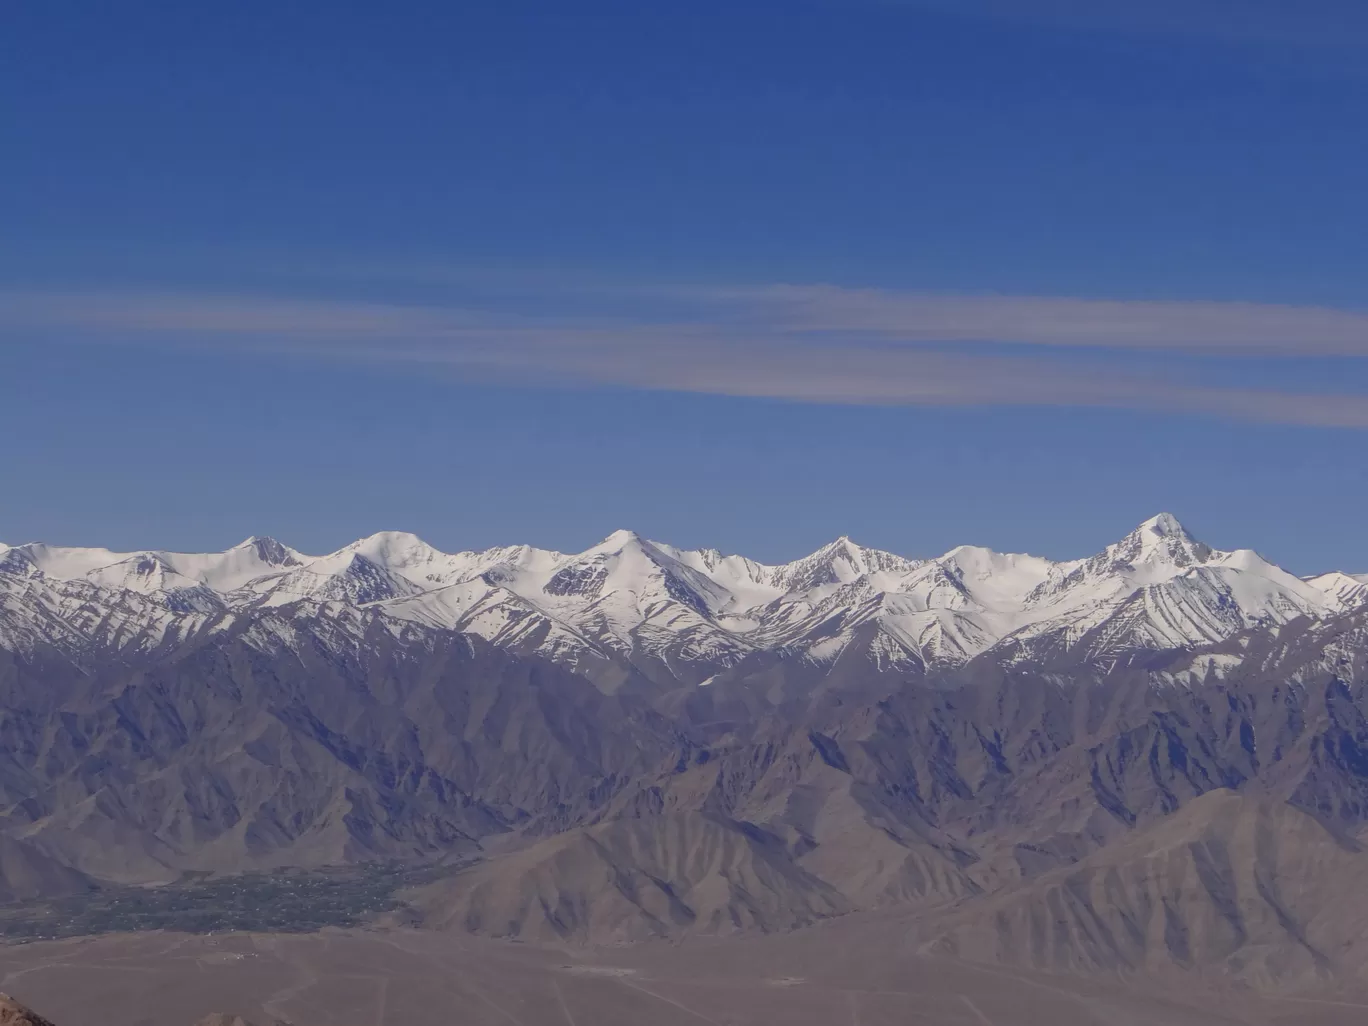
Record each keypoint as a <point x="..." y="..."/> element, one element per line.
<point x="807" y="343"/>
<point x="1232" y="328"/>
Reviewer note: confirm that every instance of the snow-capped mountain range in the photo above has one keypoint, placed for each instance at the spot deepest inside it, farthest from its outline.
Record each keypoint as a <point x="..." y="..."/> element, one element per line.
<point x="632" y="605"/>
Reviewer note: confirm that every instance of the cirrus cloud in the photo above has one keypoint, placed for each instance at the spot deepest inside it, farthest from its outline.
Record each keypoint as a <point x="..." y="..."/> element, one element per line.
<point x="809" y="343"/>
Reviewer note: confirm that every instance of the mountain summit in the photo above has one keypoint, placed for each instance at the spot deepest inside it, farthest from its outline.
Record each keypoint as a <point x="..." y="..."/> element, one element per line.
<point x="1160" y="541"/>
<point x="630" y="607"/>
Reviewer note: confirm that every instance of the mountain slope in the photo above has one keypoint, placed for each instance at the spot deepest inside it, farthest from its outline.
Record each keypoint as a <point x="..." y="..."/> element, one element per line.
<point x="27" y="873"/>
<point x="256" y="748"/>
<point x="1235" y="884"/>
<point x="629" y="879"/>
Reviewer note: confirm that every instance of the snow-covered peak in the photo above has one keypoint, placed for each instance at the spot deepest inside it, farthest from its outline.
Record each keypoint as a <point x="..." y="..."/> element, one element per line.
<point x="637" y="570"/>
<point x="842" y="561"/>
<point x="619" y="539"/>
<point x="1157" y="586"/>
<point x="265" y="549"/>
<point x="66" y="563"/>
<point x="1164" y="525"/>
<point x="1160" y="543"/>
<point x="145" y="572"/>
<point x="624" y="556"/>
<point x="349" y="577"/>
<point x="998" y="581"/>
<point x="244" y="562"/>
<point x="395" y="550"/>
<point x="1347" y="589"/>
<point x="152" y="571"/>
<point x="408" y="556"/>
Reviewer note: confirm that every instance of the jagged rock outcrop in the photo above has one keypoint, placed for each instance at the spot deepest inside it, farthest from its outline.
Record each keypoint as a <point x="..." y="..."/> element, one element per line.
<point x="12" y="1013"/>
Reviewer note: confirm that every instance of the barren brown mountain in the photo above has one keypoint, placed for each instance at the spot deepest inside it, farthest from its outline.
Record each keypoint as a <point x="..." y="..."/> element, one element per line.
<point x="1240" y="886"/>
<point x="1074" y="800"/>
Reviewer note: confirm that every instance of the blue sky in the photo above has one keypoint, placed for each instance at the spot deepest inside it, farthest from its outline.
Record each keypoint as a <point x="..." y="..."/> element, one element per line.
<point x="748" y="274"/>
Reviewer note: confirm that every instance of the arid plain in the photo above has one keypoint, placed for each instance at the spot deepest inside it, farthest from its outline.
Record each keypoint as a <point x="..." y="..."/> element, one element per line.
<point x="857" y="971"/>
